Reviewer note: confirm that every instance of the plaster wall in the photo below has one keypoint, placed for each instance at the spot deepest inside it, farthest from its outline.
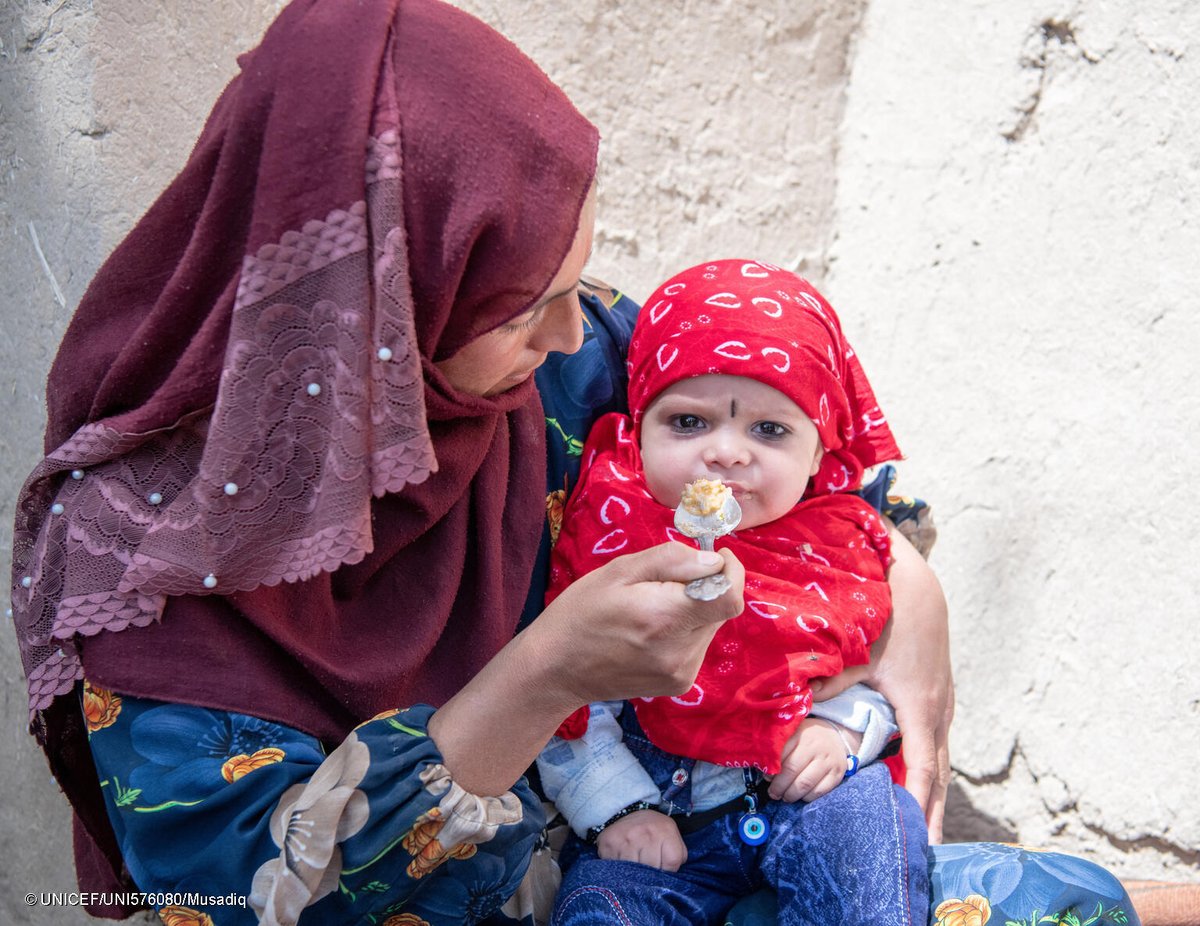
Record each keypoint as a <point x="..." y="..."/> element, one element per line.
<point x="1016" y="369"/>
<point x="1017" y="249"/>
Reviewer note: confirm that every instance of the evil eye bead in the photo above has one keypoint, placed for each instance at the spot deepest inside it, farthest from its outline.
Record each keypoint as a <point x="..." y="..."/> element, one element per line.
<point x="851" y="766"/>
<point x="753" y="829"/>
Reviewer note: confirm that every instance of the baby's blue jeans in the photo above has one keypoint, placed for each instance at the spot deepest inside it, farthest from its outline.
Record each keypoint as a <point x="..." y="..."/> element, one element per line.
<point x="855" y="857"/>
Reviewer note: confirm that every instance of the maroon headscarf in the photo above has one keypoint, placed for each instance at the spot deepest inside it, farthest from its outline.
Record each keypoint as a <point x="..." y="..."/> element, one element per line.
<point x="253" y="466"/>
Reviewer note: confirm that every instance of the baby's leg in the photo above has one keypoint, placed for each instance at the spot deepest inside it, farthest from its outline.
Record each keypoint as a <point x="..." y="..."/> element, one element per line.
<point x="856" y="856"/>
<point x="596" y="891"/>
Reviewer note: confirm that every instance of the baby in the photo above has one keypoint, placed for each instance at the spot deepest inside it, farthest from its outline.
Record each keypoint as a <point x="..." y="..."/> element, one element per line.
<point x="740" y="376"/>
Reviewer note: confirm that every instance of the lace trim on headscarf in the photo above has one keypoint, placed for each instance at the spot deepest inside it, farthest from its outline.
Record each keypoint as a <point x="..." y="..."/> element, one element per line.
<point x="320" y="406"/>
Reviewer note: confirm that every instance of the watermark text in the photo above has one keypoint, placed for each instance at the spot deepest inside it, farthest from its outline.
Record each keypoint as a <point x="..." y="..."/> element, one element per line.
<point x="132" y="899"/>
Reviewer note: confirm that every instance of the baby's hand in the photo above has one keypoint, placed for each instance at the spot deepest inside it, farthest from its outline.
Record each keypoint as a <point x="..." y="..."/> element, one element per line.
<point x="813" y="762"/>
<point x="645" y="836"/>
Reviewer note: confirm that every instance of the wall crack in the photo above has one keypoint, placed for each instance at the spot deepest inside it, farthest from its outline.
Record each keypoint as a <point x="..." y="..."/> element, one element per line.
<point x="994" y="778"/>
<point x="1148" y="843"/>
<point x="93" y="131"/>
<point x="35" y="39"/>
<point x="1052" y="35"/>
<point x="1069" y="812"/>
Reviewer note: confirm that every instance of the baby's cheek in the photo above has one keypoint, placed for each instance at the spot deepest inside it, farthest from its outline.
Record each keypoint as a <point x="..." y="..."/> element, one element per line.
<point x="753" y="513"/>
<point x="777" y="506"/>
<point x="662" y="480"/>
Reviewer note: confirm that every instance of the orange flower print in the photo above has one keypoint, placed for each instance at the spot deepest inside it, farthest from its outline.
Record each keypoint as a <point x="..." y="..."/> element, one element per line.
<point x="100" y="707"/>
<point x="382" y="715"/>
<point x="974" y="910"/>
<point x="241" y="766"/>
<point x="184" y="916"/>
<point x="423" y="845"/>
<point x="405" y="919"/>
<point x="556" y="501"/>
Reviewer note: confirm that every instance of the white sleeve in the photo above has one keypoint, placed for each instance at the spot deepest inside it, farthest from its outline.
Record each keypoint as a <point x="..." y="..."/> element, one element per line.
<point x="863" y="710"/>
<point x="591" y="778"/>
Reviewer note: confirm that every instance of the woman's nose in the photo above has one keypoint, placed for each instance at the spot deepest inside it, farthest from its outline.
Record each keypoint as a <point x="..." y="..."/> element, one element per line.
<point x="561" y="328"/>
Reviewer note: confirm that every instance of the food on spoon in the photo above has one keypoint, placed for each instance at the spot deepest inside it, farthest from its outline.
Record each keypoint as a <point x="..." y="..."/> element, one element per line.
<point x="707" y="509"/>
<point x="704" y="496"/>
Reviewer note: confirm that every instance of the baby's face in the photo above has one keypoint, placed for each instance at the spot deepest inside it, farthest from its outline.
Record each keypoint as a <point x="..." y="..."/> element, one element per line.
<point x="747" y="434"/>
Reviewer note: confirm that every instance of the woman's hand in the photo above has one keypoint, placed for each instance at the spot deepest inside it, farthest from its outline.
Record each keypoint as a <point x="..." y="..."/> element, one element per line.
<point x="648" y="837"/>
<point x="625" y="630"/>
<point x="910" y="666"/>
<point x="628" y="630"/>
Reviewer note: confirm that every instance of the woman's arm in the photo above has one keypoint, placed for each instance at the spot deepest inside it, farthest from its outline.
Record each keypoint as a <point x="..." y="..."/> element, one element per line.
<point x="910" y="666"/>
<point x="625" y="630"/>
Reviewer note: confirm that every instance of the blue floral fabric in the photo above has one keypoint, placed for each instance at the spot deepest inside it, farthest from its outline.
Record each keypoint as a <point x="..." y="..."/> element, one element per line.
<point x="374" y="832"/>
<point x="214" y="803"/>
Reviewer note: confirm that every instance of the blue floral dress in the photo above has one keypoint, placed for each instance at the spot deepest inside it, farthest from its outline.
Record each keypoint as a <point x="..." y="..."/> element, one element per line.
<point x="224" y="818"/>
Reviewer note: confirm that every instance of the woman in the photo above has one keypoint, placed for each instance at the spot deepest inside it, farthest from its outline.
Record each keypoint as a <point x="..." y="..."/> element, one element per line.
<point x="294" y="479"/>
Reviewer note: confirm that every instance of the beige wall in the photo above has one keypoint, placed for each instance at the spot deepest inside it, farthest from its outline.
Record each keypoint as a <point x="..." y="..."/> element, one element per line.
<point x="1018" y="242"/>
<point x="1001" y="213"/>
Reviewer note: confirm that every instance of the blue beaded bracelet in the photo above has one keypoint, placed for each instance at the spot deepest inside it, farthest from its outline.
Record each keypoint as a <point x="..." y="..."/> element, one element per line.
<point x="851" y="758"/>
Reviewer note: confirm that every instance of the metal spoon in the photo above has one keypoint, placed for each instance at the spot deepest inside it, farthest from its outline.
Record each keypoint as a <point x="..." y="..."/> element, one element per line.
<point x="705" y="529"/>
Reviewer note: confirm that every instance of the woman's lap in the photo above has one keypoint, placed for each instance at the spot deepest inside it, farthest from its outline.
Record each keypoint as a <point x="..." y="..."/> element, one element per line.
<point x="237" y="809"/>
<point x="205" y="801"/>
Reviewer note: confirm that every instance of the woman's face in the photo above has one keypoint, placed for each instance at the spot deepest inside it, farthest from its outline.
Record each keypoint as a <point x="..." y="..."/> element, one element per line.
<point x="507" y="356"/>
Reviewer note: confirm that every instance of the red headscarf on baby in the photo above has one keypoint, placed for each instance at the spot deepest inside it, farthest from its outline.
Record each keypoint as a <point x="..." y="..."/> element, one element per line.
<point x="749" y="318"/>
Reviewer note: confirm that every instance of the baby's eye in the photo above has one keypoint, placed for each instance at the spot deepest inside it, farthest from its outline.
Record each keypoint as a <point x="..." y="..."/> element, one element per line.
<point x="687" y="422"/>
<point x="771" y="429"/>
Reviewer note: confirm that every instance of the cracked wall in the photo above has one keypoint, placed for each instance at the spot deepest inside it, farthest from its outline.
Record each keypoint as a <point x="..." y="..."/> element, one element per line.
<point x="1017" y="241"/>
